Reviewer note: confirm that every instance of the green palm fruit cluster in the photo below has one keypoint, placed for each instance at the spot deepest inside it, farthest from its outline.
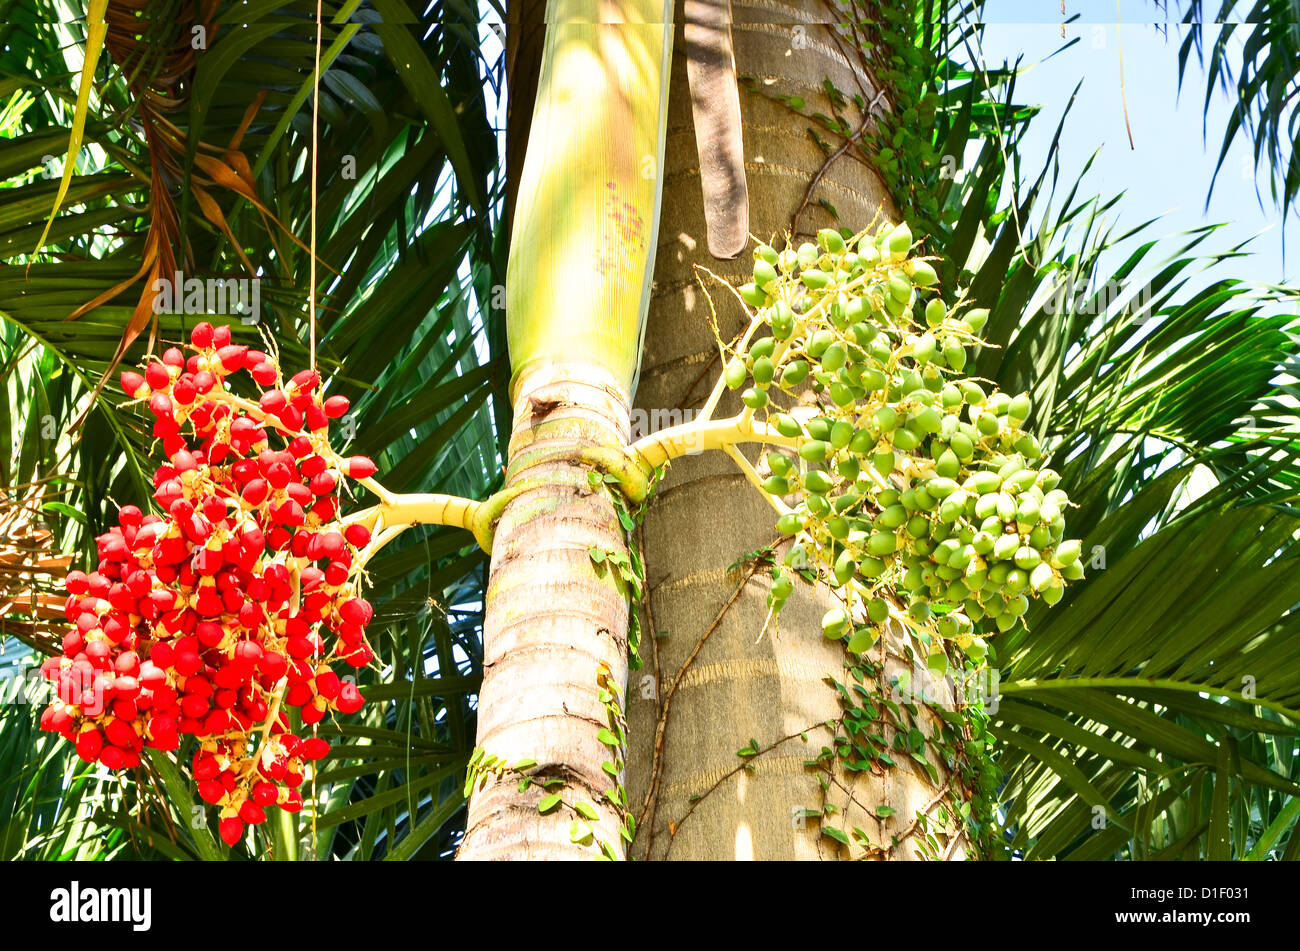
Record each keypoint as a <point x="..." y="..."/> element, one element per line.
<point x="914" y="482"/>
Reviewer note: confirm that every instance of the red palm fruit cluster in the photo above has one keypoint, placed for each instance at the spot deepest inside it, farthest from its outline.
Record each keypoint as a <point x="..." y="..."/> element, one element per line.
<point x="234" y="601"/>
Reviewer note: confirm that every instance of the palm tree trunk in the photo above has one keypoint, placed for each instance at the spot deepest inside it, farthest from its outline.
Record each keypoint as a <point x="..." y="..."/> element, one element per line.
<point x="720" y="682"/>
<point x="556" y="617"/>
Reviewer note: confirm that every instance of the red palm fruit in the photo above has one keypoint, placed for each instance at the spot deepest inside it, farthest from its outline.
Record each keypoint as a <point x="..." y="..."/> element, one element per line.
<point x="127" y="687"/>
<point x="254" y="357"/>
<point x="278" y="539"/>
<point x="323" y="483"/>
<point x="201" y="335"/>
<point x="156" y="375"/>
<point x="315" y="418"/>
<point x="221" y="335"/>
<point x="358" y="656"/>
<point x="304" y="545"/>
<point x="125" y="709"/>
<point x="264" y="373"/>
<point x="195" y="707"/>
<point x="225" y="699"/>
<point x="232" y="357"/>
<point x="76" y="582"/>
<point x="360" y="467"/>
<point x="218" y="721"/>
<point x="357" y="535"/>
<point x="214" y="509"/>
<point x="134" y="384"/>
<point x="250" y="615"/>
<point x="327" y="684"/>
<point x="89" y="742"/>
<point x="184" y="460"/>
<point x="62" y="721"/>
<point x="127" y="663"/>
<point x="336" y="573"/>
<point x="299" y="448"/>
<point x="292" y="801"/>
<point x="299" y="493"/>
<point x="314" y="748"/>
<point x="332" y="545"/>
<point x="97" y="652"/>
<point x="298" y="694"/>
<point x="349" y="699"/>
<point x="162" y="729"/>
<point x="291" y="416"/>
<point x="265" y="794"/>
<point x="273" y="665"/>
<point x="336" y="406"/>
<point x="185" y="391"/>
<point x="153" y="671"/>
<point x="110" y="757"/>
<point x="249" y="652"/>
<point x="314" y="712"/>
<point x="357" y="611"/>
<point x="255" y="492"/>
<point x="119" y="733"/>
<point x="188" y="664"/>
<point x="290" y="514"/>
<point x="278" y="475"/>
<point x="273" y="401"/>
<point x="233" y="675"/>
<point x="209" y="633"/>
<point x="231" y="829"/>
<point x="305" y="379"/>
<point x="204" y="381"/>
<point x="73" y="643"/>
<point x="312" y="465"/>
<point x="173" y="357"/>
<point x="160" y="404"/>
<point x="206" y="767"/>
<point x="300" y="647"/>
<point x="252" y="813"/>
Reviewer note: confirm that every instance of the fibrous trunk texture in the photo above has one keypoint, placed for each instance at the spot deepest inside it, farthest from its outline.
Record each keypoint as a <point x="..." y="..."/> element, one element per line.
<point x="721" y="683"/>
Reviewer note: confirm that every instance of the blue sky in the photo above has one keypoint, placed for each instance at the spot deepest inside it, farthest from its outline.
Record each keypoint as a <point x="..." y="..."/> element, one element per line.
<point x="1168" y="172"/>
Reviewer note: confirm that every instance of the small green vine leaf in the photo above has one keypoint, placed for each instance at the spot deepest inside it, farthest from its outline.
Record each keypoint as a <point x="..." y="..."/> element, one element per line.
<point x="586" y="810"/>
<point x="597" y="555"/>
<point x="608" y="738"/>
<point x="884" y="812"/>
<point x="580" y="832"/>
<point x="548" y="803"/>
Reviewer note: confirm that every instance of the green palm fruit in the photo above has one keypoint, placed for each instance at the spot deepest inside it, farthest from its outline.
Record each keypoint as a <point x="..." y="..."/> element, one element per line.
<point x="951" y="509"/>
<point x="948" y="465"/>
<point x="886" y="418"/>
<point x="1006" y="622"/>
<point x="794" y="373"/>
<point x="878" y="610"/>
<point x="1048" y="480"/>
<point x="1027" y="446"/>
<point x="925" y="348"/>
<point x="1049" y="511"/>
<point x="849" y="467"/>
<point x="899" y="241"/>
<point x="832" y="357"/>
<point x="983" y="542"/>
<point x="962" y="557"/>
<point x="786" y="424"/>
<point x="1027" y="558"/>
<point x="845" y="567"/>
<point x="954" y="354"/>
<point x="919" y="611"/>
<point x="882" y="543"/>
<point x="1005" y="546"/>
<point x="883" y="462"/>
<point x="892" y="517"/>
<point x="972" y="391"/>
<point x="934" y="312"/>
<point x="1040" y="537"/>
<point x="873" y="379"/>
<point x="941" y="488"/>
<point x="751" y="294"/>
<point x="818" y="343"/>
<point x="838" y="526"/>
<point x="974" y="611"/>
<point x="830" y="240"/>
<point x="871" y="567"/>
<point x="817" y="482"/>
<point x="817" y="504"/>
<point x="789" y="524"/>
<point x="863" y="333"/>
<point x="1018" y="408"/>
<point x="776" y="485"/>
<point x="929" y="420"/>
<point x="925" y="501"/>
<point x="764" y="370"/>
<point x="1006" y="507"/>
<point x="781" y="317"/>
<point x="844" y="502"/>
<point x="998" y="404"/>
<point x="862" y="442"/>
<point x="986" y="423"/>
<point x="976" y="318"/>
<point x="1072" y="572"/>
<point x="912" y="579"/>
<point x="764" y="273"/>
<point x="944" y="552"/>
<point x="888" y="497"/>
<point x="762" y="348"/>
<point x="1067" y="553"/>
<point x="736" y="374"/>
<point x="1016" y="580"/>
<point x="787" y="261"/>
<point x="1041" y="576"/>
<point x="1018" y="605"/>
<point x="833" y="623"/>
<point x="842" y="395"/>
<point x="819" y="427"/>
<point x="814" y="450"/>
<point x="987" y="506"/>
<point x="983" y="482"/>
<point x="918" y="526"/>
<point x="950" y="396"/>
<point x="1027" y="511"/>
<point x="1019" y="481"/>
<point x="765" y="252"/>
<point x="900" y="287"/>
<point x="905" y="440"/>
<point x="1053" y="592"/>
<point x="782" y="587"/>
<point x="779" y="463"/>
<point x="862" y="640"/>
<point x="753" y="398"/>
<point x="813" y="279"/>
<point x="923" y="275"/>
